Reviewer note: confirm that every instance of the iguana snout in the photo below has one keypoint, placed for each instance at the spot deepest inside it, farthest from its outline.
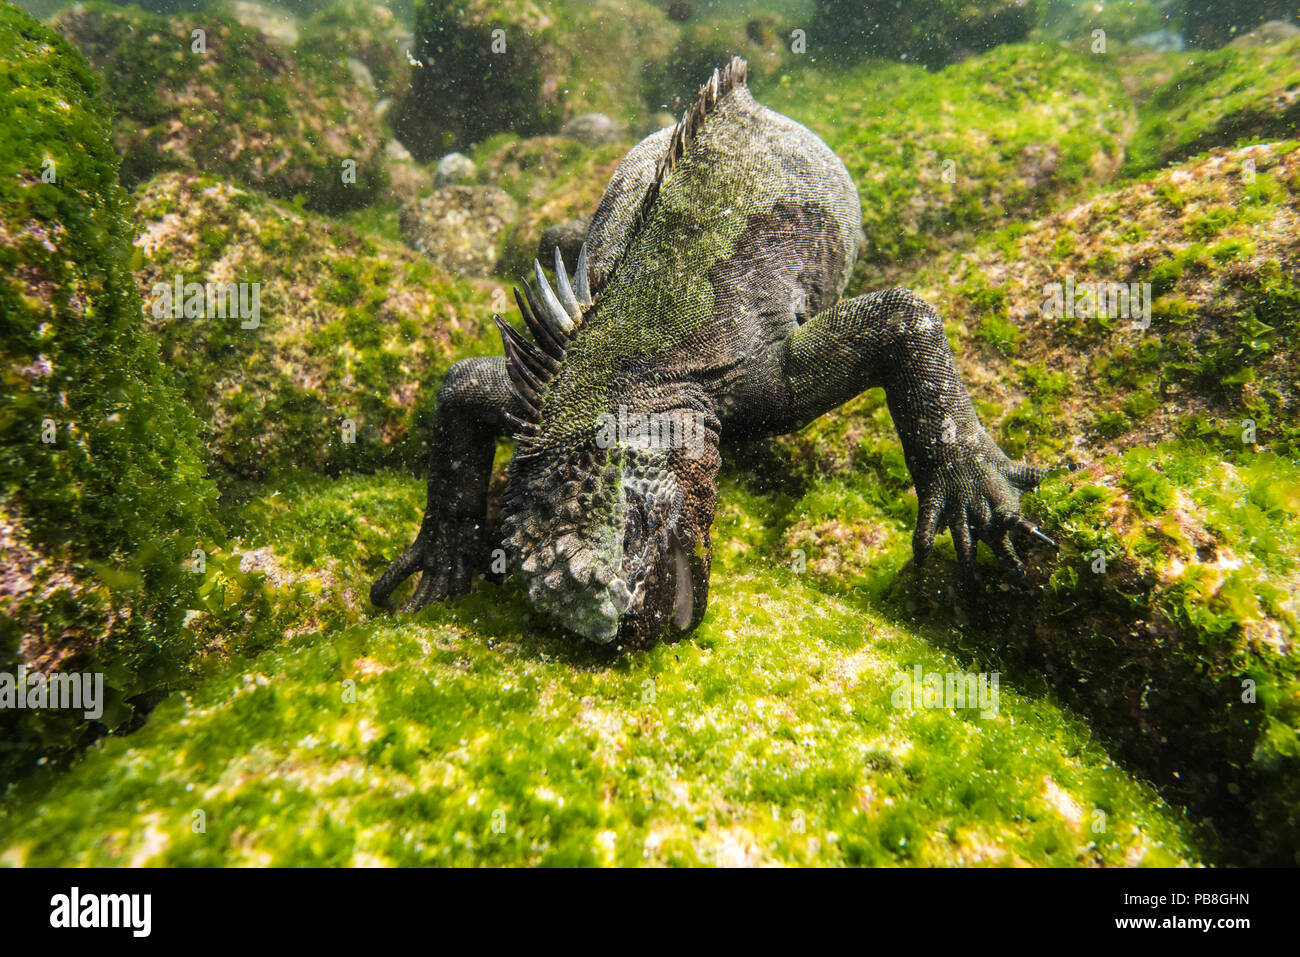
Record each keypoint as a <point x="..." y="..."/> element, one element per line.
<point x="612" y="551"/>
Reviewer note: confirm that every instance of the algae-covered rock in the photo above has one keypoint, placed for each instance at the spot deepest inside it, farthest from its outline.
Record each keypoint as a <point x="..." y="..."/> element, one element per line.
<point x="1213" y="24"/>
<point x="365" y="31"/>
<point x="454" y="169"/>
<point x="1074" y="22"/>
<point x="227" y="101"/>
<point x="1220" y="98"/>
<point x="762" y="37"/>
<point x="496" y="741"/>
<point x="1174" y="581"/>
<point x="102" y="487"/>
<point x="1017" y="130"/>
<point x="556" y="180"/>
<point x="351" y="335"/>
<point x="1168" y="619"/>
<point x="275" y="23"/>
<point x="1215" y="242"/>
<point x="458" y="227"/>
<point x="929" y="32"/>
<point x="488" y="66"/>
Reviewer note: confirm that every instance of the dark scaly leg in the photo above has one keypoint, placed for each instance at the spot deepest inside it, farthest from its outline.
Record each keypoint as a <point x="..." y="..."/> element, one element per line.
<point x="895" y="340"/>
<point x="475" y="404"/>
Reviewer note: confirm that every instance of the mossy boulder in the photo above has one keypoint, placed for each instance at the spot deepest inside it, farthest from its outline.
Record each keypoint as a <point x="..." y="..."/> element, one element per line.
<point x="273" y="22"/>
<point x="1072" y="23"/>
<point x="933" y="33"/>
<point x="459" y="227"/>
<point x="554" y="179"/>
<point x="231" y="103"/>
<point x="1212" y="24"/>
<point x="762" y="37"/>
<point x="1189" y="431"/>
<point x="365" y="31"/>
<point x="1215" y="240"/>
<point x="1220" y="98"/>
<point x="496" y="740"/>
<point x="353" y="334"/>
<point x="103" y="494"/>
<point x="489" y="67"/>
<point x="936" y="155"/>
<point x="1167" y="618"/>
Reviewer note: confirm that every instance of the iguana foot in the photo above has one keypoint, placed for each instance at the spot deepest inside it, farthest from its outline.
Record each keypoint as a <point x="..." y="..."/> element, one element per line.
<point x="976" y="493"/>
<point x="447" y="557"/>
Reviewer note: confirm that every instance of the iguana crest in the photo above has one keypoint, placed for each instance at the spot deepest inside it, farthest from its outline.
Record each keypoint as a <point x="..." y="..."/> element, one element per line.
<point x="554" y="316"/>
<point x="722" y="82"/>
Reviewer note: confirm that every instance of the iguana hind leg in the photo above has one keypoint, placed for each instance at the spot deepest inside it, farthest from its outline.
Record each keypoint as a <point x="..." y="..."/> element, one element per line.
<point x="474" y="406"/>
<point x="895" y="340"/>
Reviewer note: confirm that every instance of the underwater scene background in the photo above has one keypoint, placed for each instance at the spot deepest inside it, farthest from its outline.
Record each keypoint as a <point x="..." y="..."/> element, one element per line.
<point x="196" y="493"/>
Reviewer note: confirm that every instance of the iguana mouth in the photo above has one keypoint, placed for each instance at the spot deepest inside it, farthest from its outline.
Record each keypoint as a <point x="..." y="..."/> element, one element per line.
<point x="684" y="590"/>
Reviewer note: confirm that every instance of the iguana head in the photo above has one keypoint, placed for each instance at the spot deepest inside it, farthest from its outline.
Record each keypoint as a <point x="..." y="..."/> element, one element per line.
<point x="607" y="525"/>
<point x="612" y="542"/>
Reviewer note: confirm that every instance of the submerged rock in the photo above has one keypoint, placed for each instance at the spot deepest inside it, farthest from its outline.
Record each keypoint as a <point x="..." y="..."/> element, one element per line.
<point x="454" y="169"/>
<point x="1179" y="557"/>
<point x="932" y="33"/>
<point x="351" y="338"/>
<point x="568" y="238"/>
<point x="1222" y="98"/>
<point x="593" y="129"/>
<point x="555" y="180"/>
<point x="231" y="103"/>
<point x="407" y="179"/>
<point x="458" y="227"/>
<point x="1161" y="41"/>
<point x="1273" y="31"/>
<point x="936" y="155"/>
<point x="657" y="739"/>
<point x="103" y="494"/>
<point x="364" y="31"/>
<point x="486" y="67"/>
<point x="275" y="23"/>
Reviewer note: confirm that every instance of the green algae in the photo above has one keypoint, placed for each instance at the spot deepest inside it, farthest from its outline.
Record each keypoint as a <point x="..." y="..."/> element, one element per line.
<point x="237" y="106"/>
<point x="1221" y="98"/>
<point x="1167" y="617"/>
<point x="936" y="154"/>
<point x="354" y="335"/>
<point x="94" y="533"/>
<point x="475" y="734"/>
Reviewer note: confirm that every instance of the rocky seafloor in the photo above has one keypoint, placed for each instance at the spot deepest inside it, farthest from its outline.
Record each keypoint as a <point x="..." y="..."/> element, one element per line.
<point x="194" y="507"/>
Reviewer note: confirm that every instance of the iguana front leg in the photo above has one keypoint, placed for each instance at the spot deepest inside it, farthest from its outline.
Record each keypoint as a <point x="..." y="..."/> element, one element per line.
<point x="963" y="480"/>
<point x="474" y="405"/>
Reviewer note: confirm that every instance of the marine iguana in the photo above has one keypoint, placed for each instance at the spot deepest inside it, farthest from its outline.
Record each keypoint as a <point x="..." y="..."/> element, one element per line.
<point x="704" y="298"/>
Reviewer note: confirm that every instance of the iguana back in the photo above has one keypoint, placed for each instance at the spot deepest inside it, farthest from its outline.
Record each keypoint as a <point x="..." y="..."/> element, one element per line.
<point x="712" y="237"/>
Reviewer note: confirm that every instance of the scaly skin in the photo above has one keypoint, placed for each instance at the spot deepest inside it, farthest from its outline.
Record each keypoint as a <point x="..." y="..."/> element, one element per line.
<point x="715" y="261"/>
